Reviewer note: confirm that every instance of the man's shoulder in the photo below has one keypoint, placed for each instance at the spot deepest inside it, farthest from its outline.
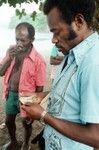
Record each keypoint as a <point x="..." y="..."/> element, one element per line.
<point x="91" y="58"/>
<point x="36" y="56"/>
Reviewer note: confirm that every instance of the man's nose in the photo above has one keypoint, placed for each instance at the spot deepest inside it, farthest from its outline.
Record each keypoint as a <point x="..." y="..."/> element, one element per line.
<point x="54" y="40"/>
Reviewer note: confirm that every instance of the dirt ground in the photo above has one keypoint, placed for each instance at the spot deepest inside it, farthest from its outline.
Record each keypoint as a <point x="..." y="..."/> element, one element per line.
<point x="37" y="127"/>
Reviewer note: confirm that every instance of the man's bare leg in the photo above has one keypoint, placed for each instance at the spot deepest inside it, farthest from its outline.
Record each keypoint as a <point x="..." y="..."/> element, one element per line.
<point x="11" y="126"/>
<point x="27" y="133"/>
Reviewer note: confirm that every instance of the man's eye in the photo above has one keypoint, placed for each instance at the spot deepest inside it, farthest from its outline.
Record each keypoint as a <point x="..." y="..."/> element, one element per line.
<point x="18" y="40"/>
<point x="56" y="33"/>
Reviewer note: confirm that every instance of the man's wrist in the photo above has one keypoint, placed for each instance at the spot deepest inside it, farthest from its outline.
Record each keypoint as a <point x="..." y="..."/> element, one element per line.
<point x="43" y="116"/>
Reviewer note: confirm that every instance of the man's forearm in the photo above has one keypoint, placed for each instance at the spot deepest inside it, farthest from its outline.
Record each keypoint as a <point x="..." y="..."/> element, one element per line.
<point x="87" y="134"/>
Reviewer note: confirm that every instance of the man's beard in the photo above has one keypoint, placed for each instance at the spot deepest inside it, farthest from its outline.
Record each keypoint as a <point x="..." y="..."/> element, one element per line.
<point x="72" y="34"/>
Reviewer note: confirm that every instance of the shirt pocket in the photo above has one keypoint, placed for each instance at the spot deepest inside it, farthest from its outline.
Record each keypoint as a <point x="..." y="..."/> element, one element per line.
<point x="55" y="104"/>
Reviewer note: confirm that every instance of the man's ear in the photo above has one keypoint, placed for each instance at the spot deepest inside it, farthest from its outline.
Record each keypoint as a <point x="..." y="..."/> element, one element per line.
<point x="79" y="21"/>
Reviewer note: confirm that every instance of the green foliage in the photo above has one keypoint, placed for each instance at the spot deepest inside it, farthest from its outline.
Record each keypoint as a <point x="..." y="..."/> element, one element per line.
<point x="14" y="2"/>
<point x="2" y="1"/>
<point x="33" y="15"/>
<point x="22" y="12"/>
<point x="39" y="23"/>
<point x="19" y="12"/>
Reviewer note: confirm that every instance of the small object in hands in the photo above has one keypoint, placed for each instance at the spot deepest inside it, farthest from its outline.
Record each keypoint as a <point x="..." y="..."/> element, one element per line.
<point x="45" y="101"/>
<point x="32" y="99"/>
<point x="26" y="99"/>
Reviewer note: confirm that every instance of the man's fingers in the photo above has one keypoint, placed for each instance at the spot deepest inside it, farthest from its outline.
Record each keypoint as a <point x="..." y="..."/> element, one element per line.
<point x="26" y="108"/>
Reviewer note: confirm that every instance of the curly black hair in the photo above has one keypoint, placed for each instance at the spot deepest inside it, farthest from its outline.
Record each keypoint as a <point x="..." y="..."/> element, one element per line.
<point x="70" y="8"/>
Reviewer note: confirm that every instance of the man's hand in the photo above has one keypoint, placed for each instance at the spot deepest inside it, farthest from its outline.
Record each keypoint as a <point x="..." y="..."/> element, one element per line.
<point x="10" y="54"/>
<point x="12" y="51"/>
<point x="56" y="60"/>
<point x="34" y="110"/>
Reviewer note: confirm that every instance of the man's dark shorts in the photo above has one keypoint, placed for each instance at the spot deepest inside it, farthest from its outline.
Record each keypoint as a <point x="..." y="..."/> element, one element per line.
<point x="12" y="103"/>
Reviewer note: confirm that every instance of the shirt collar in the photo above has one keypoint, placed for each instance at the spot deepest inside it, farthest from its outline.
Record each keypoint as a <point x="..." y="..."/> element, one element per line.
<point x="32" y="54"/>
<point x="82" y="48"/>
